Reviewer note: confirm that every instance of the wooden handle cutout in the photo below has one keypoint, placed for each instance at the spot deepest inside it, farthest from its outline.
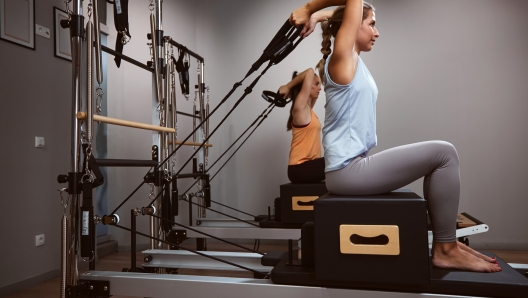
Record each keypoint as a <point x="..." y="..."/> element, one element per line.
<point x="376" y="240"/>
<point x="303" y="203"/>
<point x="369" y="239"/>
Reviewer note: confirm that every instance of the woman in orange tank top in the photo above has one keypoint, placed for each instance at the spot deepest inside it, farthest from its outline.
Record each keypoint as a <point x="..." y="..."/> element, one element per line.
<point x="306" y="164"/>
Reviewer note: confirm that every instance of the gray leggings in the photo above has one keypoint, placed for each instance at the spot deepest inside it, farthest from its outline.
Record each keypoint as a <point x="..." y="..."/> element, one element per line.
<point x="394" y="168"/>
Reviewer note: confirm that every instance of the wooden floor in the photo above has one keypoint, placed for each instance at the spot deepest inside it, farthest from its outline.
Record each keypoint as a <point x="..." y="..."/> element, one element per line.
<point x="120" y="260"/>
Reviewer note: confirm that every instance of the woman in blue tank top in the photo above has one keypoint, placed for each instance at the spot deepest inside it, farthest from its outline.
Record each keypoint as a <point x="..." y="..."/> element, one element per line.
<point x="349" y="132"/>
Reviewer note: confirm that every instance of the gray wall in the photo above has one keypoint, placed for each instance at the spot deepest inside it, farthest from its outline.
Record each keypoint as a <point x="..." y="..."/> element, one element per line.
<point x="35" y="96"/>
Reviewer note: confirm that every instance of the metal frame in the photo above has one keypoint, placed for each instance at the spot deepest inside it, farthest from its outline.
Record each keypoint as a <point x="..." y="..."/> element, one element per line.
<point x="185" y="259"/>
<point x="167" y="285"/>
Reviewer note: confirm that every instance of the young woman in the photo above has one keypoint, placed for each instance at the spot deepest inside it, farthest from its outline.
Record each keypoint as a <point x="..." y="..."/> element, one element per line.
<point x="306" y="164"/>
<point x="350" y="132"/>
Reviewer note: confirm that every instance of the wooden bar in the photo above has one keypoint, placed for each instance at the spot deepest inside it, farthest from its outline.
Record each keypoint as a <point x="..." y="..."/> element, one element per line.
<point x="108" y="120"/>
<point x="191" y="143"/>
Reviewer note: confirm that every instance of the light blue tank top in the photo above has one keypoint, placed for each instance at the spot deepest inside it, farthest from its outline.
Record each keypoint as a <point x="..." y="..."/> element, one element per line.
<point x="350" y="118"/>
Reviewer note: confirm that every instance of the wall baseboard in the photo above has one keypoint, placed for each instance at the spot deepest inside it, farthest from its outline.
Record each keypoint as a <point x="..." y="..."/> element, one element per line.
<point x="28" y="283"/>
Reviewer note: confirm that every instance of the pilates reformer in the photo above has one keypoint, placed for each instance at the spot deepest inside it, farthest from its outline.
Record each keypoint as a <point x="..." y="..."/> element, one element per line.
<point x="78" y="227"/>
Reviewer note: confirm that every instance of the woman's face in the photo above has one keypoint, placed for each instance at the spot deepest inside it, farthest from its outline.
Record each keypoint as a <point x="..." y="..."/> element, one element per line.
<point x="368" y="33"/>
<point x="316" y="88"/>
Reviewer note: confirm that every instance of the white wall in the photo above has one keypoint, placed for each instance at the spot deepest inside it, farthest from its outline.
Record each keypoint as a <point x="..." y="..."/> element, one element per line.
<point x="449" y="70"/>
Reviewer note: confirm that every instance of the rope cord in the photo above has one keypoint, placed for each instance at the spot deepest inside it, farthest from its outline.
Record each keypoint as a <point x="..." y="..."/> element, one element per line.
<point x="247" y="91"/>
<point x="251" y="125"/>
<point x="205" y="234"/>
<point x="191" y="250"/>
<point x="225" y="152"/>
<point x="265" y="116"/>
<point x="208" y="208"/>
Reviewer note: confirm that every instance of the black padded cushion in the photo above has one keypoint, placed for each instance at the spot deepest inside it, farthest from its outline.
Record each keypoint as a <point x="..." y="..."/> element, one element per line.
<point x="507" y="283"/>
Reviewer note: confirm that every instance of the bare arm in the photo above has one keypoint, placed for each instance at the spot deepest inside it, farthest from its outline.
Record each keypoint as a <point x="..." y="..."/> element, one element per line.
<point x="301" y="16"/>
<point x="342" y="66"/>
<point x="301" y="109"/>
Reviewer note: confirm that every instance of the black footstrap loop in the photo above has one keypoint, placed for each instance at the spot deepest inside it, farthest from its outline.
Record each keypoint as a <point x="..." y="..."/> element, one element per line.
<point x="275" y="98"/>
<point x="121" y="25"/>
<point x="182" y="67"/>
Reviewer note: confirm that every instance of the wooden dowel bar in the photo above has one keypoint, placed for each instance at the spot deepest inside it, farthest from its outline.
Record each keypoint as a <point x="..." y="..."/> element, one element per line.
<point x="120" y="122"/>
<point x="191" y="143"/>
<point x="108" y="120"/>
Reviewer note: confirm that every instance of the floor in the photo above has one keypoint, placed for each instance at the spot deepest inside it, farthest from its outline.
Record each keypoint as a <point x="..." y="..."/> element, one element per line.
<point x="120" y="260"/>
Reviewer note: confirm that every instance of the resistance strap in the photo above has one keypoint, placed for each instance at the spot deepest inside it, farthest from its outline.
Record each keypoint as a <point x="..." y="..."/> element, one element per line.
<point x="182" y="67"/>
<point x="122" y="27"/>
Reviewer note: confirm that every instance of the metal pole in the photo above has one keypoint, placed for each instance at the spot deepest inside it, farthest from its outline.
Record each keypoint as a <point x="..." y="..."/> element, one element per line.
<point x="133" y="239"/>
<point x="76" y="52"/>
<point x="201" y="88"/>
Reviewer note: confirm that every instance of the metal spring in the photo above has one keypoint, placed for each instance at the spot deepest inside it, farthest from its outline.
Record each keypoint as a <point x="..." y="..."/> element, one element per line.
<point x="89" y="80"/>
<point x="64" y="255"/>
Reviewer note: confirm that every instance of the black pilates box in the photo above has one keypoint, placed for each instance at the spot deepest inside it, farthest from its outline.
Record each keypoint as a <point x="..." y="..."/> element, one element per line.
<point x="296" y="201"/>
<point x="378" y="239"/>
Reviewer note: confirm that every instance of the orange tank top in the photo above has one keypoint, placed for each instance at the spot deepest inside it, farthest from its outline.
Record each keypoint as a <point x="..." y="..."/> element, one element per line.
<point x="306" y="141"/>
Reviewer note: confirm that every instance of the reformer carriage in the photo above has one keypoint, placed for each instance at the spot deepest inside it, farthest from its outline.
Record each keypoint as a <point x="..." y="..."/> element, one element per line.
<point x="311" y="275"/>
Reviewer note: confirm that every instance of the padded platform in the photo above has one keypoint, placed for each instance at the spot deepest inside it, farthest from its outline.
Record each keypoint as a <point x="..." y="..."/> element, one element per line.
<point x="507" y="283"/>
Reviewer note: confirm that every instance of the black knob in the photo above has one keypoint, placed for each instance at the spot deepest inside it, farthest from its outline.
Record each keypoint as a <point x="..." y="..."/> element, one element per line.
<point x="62" y="178"/>
<point x="65" y="24"/>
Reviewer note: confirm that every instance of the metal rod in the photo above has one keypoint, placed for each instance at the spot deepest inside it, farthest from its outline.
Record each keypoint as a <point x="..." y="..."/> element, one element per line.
<point x="97" y="43"/>
<point x="125" y="163"/>
<point x="126" y="58"/>
<point x="76" y="51"/>
<point x="182" y="47"/>
<point x="156" y="57"/>
<point x="133" y="239"/>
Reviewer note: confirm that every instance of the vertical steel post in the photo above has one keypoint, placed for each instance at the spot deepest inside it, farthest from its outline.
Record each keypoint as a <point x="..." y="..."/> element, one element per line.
<point x="76" y="52"/>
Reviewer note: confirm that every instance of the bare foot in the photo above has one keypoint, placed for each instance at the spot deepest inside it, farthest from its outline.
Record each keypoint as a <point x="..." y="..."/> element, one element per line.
<point x="476" y="253"/>
<point x="450" y="256"/>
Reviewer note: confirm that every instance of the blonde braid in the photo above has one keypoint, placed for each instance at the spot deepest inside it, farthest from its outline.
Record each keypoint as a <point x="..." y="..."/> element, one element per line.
<point x="326" y="48"/>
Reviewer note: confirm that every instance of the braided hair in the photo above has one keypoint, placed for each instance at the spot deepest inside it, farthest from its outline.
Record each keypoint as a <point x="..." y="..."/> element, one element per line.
<point x="330" y="27"/>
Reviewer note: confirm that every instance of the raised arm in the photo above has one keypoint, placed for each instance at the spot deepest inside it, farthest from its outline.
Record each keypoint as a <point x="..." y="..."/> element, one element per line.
<point x="342" y="66"/>
<point x="301" y="16"/>
<point x="301" y="107"/>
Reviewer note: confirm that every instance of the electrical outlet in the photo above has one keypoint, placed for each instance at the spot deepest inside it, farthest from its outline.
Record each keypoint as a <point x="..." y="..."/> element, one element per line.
<point x="42" y="31"/>
<point x="40" y="142"/>
<point x="40" y="240"/>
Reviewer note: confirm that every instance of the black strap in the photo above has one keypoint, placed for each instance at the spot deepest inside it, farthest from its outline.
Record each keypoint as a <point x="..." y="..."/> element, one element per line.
<point x="182" y="67"/>
<point x="275" y="98"/>
<point x="282" y="44"/>
<point x="121" y="25"/>
<point x="87" y="223"/>
<point x="166" y="209"/>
